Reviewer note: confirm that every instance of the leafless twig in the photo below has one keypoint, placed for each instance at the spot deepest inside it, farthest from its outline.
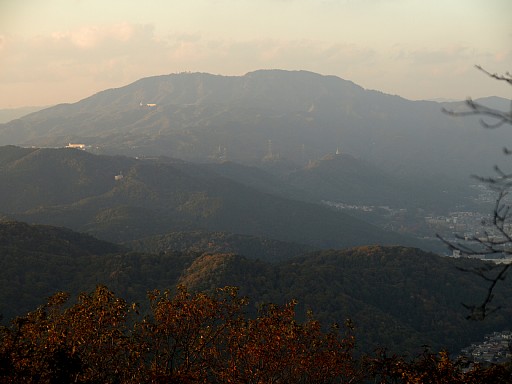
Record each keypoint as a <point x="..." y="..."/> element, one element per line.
<point x="500" y="117"/>
<point x="498" y="241"/>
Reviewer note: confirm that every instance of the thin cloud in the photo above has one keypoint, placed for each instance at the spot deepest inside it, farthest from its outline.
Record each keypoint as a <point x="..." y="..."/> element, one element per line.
<point x="94" y="57"/>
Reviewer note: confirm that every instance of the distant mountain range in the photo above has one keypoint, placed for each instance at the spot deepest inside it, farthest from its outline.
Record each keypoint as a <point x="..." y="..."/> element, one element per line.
<point x="79" y="190"/>
<point x="9" y="114"/>
<point x="268" y="116"/>
<point x="267" y="148"/>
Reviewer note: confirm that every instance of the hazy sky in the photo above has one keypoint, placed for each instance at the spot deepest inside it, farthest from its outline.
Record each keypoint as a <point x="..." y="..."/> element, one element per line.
<point x="54" y="51"/>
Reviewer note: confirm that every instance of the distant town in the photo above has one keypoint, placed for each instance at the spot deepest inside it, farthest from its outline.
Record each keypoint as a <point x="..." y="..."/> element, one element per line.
<point x="496" y="348"/>
<point x="454" y="227"/>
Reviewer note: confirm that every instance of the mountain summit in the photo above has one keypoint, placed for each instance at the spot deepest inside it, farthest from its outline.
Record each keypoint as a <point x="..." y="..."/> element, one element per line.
<point x="266" y="115"/>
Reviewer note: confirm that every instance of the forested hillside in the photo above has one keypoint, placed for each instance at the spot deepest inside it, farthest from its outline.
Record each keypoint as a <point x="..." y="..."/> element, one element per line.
<point x="252" y="247"/>
<point x="208" y="338"/>
<point x="76" y="189"/>
<point x="397" y="297"/>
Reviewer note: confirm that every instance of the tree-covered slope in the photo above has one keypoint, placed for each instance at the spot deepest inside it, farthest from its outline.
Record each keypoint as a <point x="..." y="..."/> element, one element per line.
<point x="345" y="179"/>
<point x="34" y="177"/>
<point x="398" y="297"/>
<point x="51" y="240"/>
<point x="76" y="189"/>
<point x="252" y="247"/>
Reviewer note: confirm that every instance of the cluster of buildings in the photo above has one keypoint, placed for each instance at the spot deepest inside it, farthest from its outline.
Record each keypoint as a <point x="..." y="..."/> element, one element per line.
<point x="76" y="146"/>
<point x="496" y="348"/>
<point x="466" y="224"/>
<point x="353" y="207"/>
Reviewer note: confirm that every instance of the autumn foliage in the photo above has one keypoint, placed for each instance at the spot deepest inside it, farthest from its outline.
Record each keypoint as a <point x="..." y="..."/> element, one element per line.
<point x="199" y="338"/>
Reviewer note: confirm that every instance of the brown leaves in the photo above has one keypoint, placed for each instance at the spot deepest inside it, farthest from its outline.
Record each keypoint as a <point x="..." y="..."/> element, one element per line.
<point x="432" y="368"/>
<point x="200" y="338"/>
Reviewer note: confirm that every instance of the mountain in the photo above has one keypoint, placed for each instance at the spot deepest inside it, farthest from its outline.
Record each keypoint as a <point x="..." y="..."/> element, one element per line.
<point x="213" y="180"/>
<point x="52" y="240"/>
<point x="493" y="102"/>
<point x="263" y="179"/>
<point x="79" y="190"/>
<point x="38" y="260"/>
<point x="10" y="114"/>
<point x="33" y="178"/>
<point x="252" y="247"/>
<point x="399" y="297"/>
<point x="264" y="117"/>
<point x="343" y="178"/>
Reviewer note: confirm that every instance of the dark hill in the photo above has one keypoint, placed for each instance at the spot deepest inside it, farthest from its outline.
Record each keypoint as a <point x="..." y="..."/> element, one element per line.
<point x="33" y="177"/>
<point x="252" y="247"/>
<point x="52" y="240"/>
<point x="399" y="297"/>
<point x="396" y="296"/>
<point x="344" y="179"/>
<point x="263" y="180"/>
<point x="39" y="260"/>
<point x="75" y="189"/>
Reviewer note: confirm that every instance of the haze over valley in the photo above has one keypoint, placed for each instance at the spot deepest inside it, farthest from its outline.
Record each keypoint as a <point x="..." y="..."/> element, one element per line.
<point x="296" y="160"/>
<point x="394" y="163"/>
<point x="291" y="205"/>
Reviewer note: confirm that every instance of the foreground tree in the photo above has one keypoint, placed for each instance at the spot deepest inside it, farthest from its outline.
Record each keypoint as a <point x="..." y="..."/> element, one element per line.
<point x="432" y="368"/>
<point x="87" y="342"/>
<point x="185" y="335"/>
<point x="274" y="348"/>
<point x="185" y="338"/>
<point x="200" y="338"/>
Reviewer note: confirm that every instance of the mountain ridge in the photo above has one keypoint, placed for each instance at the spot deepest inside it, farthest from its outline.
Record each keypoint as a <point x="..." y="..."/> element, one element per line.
<point x="79" y="190"/>
<point x="398" y="297"/>
<point x="201" y="117"/>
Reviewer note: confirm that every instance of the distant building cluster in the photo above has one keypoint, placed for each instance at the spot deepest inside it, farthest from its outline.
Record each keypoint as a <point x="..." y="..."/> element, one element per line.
<point x="76" y="146"/>
<point x="148" y="105"/>
<point x="496" y="348"/>
<point x="344" y="206"/>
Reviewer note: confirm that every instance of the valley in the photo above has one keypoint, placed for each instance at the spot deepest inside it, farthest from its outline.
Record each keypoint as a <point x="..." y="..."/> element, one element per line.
<point x="286" y="184"/>
<point x="397" y="297"/>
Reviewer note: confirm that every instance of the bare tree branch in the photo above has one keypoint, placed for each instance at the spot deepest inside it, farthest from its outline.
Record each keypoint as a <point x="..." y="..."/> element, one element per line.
<point x="498" y="239"/>
<point x="506" y="77"/>
<point x="501" y="117"/>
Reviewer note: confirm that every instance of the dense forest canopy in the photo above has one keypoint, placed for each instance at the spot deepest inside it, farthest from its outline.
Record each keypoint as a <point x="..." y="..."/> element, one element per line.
<point x="398" y="297"/>
<point x="201" y="338"/>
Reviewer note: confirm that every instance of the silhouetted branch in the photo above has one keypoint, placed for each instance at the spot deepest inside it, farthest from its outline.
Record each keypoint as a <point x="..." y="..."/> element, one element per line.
<point x="501" y="117"/>
<point x="500" y="240"/>
<point x="507" y="77"/>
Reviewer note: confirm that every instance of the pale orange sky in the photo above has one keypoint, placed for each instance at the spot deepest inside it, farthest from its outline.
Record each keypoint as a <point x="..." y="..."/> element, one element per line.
<point x="54" y="51"/>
